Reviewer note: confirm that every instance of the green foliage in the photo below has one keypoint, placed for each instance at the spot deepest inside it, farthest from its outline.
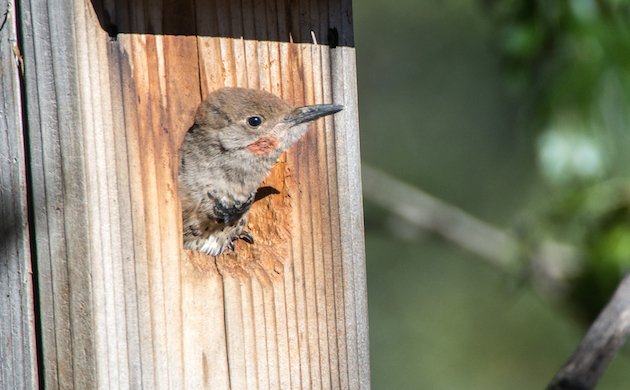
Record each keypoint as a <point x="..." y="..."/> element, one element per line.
<point x="561" y="51"/>
<point x="596" y="220"/>
<point x="607" y="257"/>
<point x="571" y="59"/>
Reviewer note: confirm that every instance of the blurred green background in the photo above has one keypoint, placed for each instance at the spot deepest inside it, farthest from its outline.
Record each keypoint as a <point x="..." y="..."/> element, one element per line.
<point x="514" y="111"/>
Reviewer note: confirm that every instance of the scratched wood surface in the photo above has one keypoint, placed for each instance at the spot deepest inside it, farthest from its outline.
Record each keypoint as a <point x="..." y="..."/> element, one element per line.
<point x="18" y="368"/>
<point x="115" y="88"/>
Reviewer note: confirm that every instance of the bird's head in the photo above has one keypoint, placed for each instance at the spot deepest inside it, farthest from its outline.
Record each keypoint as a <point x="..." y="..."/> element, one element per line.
<point x="255" y="121"/>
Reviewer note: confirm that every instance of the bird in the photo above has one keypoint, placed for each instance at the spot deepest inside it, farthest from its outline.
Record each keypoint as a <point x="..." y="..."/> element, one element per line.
<point x="236" y="138"/>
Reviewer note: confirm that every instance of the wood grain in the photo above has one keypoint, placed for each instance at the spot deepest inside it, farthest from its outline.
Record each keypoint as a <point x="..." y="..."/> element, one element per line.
<point x="126" y="306"/>
<point x="18" y="369"/>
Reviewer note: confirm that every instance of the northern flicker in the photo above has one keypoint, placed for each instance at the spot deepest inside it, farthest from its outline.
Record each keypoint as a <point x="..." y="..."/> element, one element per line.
<point x="237" y="136"/>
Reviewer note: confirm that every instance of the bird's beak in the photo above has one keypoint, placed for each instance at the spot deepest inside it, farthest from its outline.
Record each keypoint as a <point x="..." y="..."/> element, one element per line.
<point x="310" y="113"/>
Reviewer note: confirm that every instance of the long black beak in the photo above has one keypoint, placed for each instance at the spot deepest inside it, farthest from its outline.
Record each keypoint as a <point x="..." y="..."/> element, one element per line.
<point x="310" y="113"/>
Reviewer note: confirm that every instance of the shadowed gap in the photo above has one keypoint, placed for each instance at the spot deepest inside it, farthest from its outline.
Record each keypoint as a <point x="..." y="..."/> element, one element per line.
<point x="120" y="17"/>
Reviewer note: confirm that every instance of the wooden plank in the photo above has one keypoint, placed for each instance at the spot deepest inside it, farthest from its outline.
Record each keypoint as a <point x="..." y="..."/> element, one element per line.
<point x="289" y="311"/>
<point x="59" y="202"/>
<point x="17" y="324"/>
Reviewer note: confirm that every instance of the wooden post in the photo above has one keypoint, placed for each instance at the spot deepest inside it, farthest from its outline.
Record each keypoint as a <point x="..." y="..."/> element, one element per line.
<point x="111" y="89"/>
<point x="18" y="368"/>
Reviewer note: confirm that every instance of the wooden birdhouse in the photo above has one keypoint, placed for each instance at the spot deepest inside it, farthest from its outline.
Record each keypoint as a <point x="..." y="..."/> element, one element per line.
<point x="96" y="290"/>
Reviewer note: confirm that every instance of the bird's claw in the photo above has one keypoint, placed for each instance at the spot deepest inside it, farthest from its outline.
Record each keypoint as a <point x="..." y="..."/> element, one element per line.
<point x="247" y="237"/>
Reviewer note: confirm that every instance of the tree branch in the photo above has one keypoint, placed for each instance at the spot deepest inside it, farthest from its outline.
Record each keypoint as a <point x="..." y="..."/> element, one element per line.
<point x="429" y="213"/>
<point x="602" y="341"/>
<point x="551" y="262"/>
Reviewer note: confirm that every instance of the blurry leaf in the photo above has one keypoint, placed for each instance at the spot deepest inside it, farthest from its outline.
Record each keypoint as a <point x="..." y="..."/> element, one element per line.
<point x="568" y="154"/>
<point x="607" y="260"/>
<point x="596" y="219"/>
<point x="521" y="41"/>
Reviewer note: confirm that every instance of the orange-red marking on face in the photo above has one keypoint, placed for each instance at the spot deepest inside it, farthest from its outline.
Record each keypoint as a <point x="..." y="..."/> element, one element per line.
<point x="263" y="146"/>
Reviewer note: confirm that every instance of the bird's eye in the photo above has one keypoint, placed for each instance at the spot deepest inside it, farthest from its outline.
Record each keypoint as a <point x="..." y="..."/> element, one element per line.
<point x="254" y="121"/>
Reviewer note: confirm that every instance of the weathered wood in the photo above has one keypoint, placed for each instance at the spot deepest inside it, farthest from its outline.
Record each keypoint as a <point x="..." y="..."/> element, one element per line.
<point x="18" y="367"/>
<point x="288" y="312"/>
<point x="63" y="231"/>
